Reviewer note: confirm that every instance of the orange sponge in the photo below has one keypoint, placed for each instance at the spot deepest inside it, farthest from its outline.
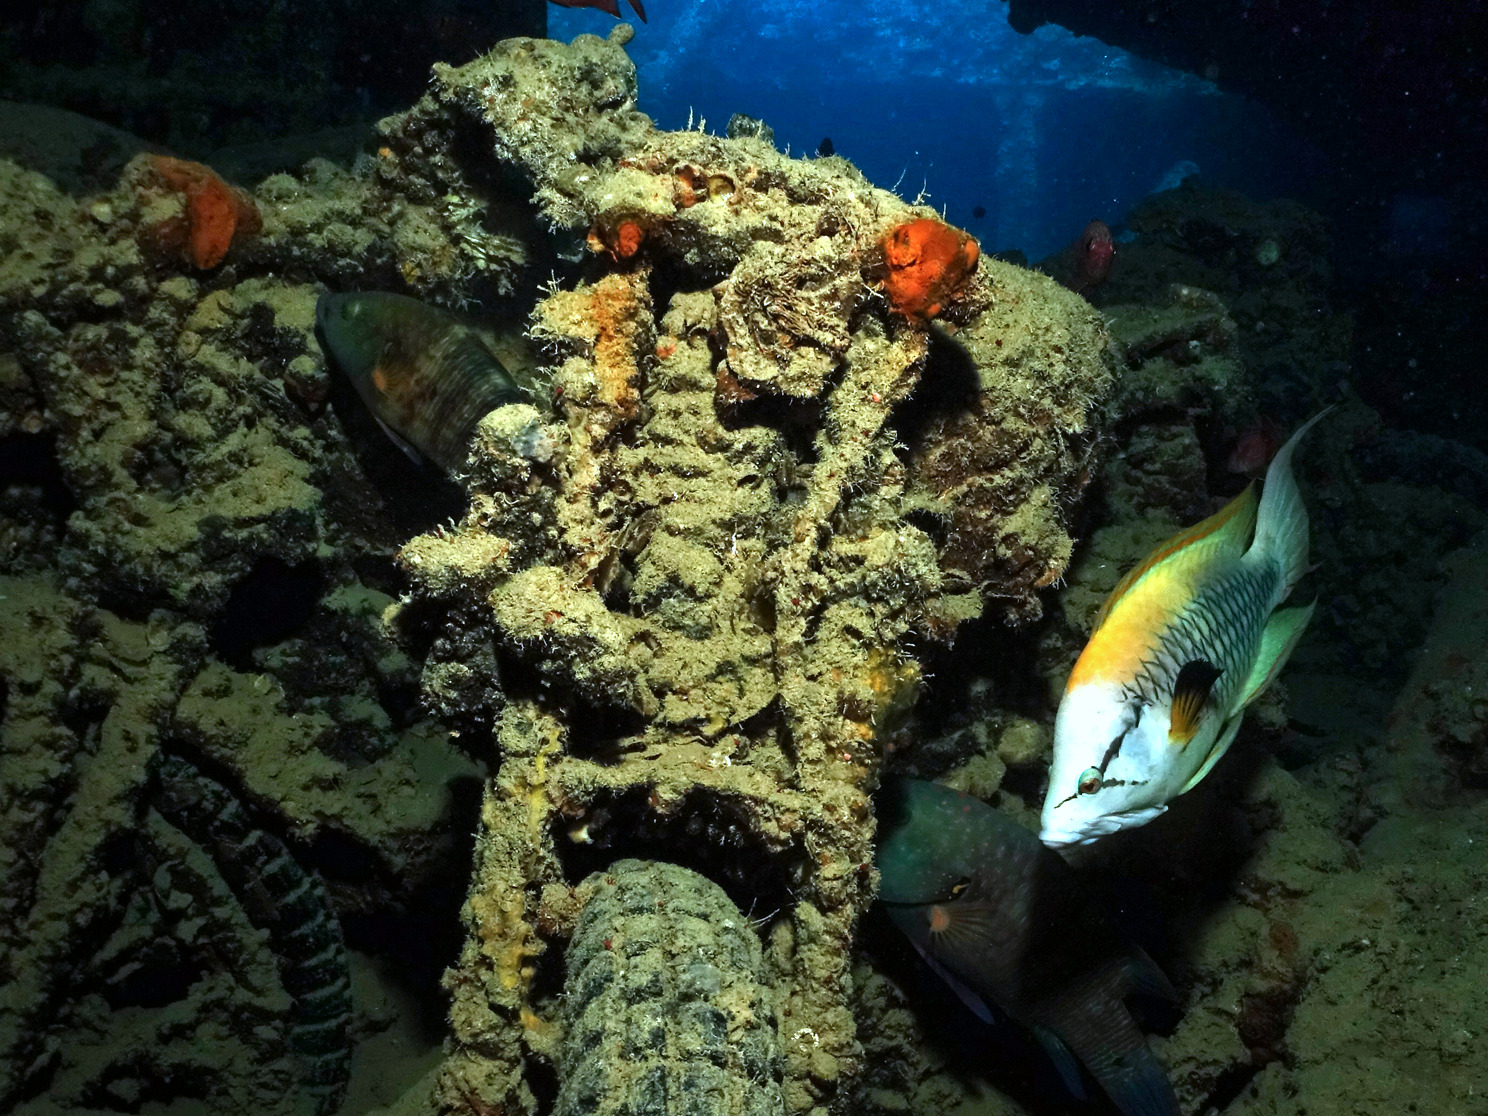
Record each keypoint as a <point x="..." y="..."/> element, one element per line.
<point x="216" y="214"/>
<point x="622" y="243"/>
<point x="628" y="239"/>
<point x="928" y="263"/>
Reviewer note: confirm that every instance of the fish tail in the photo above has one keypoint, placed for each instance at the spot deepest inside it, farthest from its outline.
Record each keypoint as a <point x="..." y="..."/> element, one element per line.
<point x="1106" y="1039"/>
<point x="1281" y="520"/>
<point x="1137" y="1084"/>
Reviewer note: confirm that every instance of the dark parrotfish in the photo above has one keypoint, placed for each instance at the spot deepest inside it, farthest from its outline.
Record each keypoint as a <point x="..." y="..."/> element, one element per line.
<point x="426" y="376"/>
<point x="1003" y="919"/>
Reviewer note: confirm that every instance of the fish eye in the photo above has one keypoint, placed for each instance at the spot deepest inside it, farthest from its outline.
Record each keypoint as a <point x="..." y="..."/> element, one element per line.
<point x="1090" y="781"/>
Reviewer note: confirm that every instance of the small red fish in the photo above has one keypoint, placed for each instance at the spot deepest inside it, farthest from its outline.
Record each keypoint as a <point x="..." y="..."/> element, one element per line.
<point x="1256" y="446"/>
<point x="610" y="6"/>
<point x="1094" y="252"/>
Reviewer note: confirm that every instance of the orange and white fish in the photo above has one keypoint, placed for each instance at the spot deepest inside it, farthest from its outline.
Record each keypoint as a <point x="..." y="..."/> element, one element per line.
<point x="1183" y="644"/>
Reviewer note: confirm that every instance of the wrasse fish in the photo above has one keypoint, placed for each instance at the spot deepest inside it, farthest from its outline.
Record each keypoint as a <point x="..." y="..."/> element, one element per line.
<point x="1002" y="918"/>
<point x="1183" y="644"/>
<point x="610" y="6"/>
<point x="426" y="376"/>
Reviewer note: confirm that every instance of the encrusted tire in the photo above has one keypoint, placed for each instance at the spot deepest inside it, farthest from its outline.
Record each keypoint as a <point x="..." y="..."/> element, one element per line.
<point x="665" y="1012"/>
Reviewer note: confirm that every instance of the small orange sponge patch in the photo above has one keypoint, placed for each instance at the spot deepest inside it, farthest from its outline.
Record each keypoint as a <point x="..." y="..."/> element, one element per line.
<point x="621" y="244"/>
<point x="929" y="263"/>
<point x="216" y="214"/>
<point x="628" y="239"/>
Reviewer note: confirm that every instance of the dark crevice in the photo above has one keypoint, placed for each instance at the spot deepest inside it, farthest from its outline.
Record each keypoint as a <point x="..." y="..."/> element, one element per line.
<point x="984" y="648"/>
<point x="269" y="604"/>
<point x="379" y="572"/>
<point x="31" y="460"/>
<point x="813" y="624"/>
<point x="948" y="384"/>
<point x="798" y="421"/>
<point x="709" y="835"/>
<point x="672" y="275"/>
<point x="125" y="592"/>
<point x="340" y="857"/>
<point x="1228" y="1087"/>
<point x="541" y="1076"/>
<point x="85" y="709"/>
<point x="598" y="732"/>
<point x="418" y="623"/>
<point x="501" y="181"/>
<point x="936" y="526"/>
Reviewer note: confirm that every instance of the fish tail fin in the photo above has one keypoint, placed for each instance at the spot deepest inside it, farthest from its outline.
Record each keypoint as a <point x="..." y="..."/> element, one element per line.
<point x="1137" y="1084"/>
<point x="1107" y="1040"/>
<point x="1281" y="520"/>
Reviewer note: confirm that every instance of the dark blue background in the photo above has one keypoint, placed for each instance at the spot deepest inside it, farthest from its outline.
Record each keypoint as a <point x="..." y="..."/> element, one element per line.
<point x="1045" y="131"/>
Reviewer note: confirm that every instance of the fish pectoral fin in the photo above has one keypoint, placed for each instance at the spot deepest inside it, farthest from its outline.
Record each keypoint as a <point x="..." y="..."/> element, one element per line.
<point x="401" y="442"/>
<point x="1283" y="630"/>
<point x="1222" y="744"/>
<point x="974" y="1003"/>
<point x="1064" y="1061"/>
<point x="1190" y="694"/>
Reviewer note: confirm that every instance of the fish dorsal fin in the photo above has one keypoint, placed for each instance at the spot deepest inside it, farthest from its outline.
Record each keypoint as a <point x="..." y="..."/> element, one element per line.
<point x="1225" y="534"/>
<point x="1190" y="694"/>
<point x="1282" y="632"/>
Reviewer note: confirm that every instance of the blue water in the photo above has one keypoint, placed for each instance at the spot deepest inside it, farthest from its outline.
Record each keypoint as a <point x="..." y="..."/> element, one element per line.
<point x="1043" y="131"/>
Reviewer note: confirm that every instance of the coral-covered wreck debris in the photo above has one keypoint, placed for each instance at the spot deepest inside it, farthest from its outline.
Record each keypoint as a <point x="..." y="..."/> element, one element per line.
<point x="774" y="447"/>
<point x="714" y="561"/>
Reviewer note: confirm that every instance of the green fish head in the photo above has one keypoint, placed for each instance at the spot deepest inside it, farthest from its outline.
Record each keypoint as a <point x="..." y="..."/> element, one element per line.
<point x="925" y="831"/>
<point x="349" y="328"/>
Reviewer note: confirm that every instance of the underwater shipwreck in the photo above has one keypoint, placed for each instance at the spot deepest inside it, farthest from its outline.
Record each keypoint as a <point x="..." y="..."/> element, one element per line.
<point x="538" y="775"/>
